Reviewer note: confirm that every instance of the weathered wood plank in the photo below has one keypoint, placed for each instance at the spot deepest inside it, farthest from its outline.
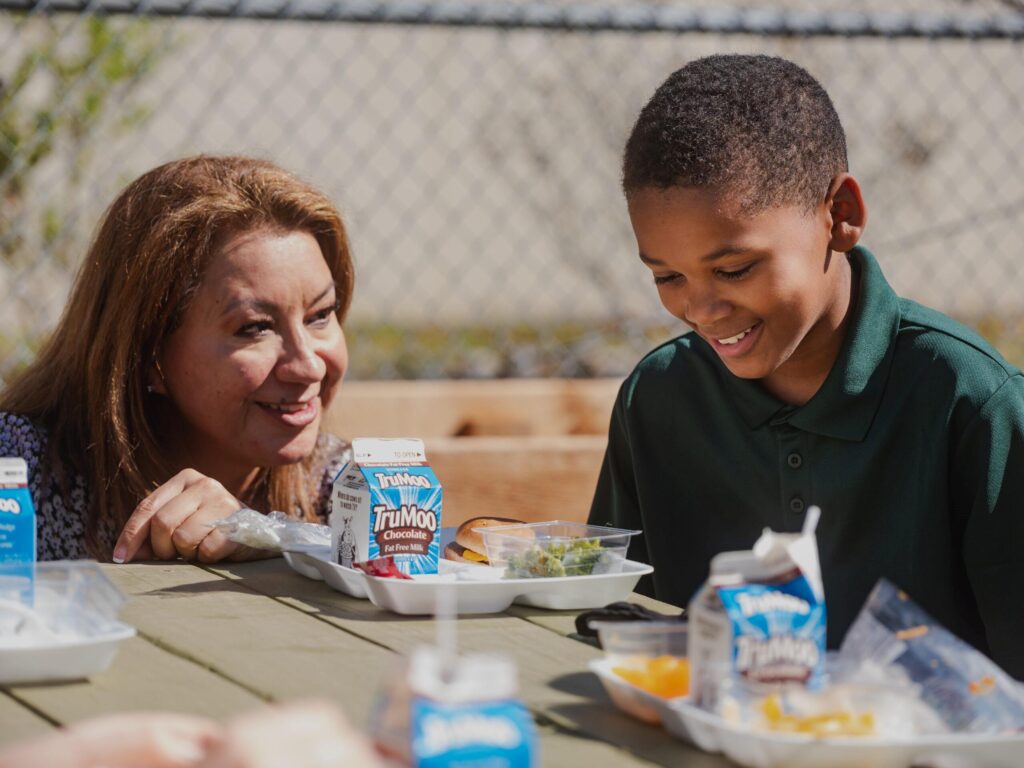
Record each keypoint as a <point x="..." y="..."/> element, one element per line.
<point x="142" y="677"/>
<point x="18" y="722"/>
<point x="529" y="449"/>
<point x="467" y="407"/>
<point x="552" y="673"/>
<point x="273" y="650"/>
<point x="523" y="478"/>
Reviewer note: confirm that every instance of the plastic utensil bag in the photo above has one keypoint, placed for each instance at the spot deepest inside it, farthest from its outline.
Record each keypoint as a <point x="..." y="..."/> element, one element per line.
<point x="275" y="532"/>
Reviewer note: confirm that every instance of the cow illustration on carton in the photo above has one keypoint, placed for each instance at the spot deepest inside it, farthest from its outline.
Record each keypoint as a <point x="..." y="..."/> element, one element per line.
<point x="387" y="501"/>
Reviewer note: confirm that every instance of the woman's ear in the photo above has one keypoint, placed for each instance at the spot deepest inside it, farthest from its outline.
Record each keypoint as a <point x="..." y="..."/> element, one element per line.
<point x="849" y="215"/>
<point x="156" y="383"/>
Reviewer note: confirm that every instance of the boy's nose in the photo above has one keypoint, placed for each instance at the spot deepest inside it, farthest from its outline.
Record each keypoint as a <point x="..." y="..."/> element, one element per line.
<point x="705" y="309"/>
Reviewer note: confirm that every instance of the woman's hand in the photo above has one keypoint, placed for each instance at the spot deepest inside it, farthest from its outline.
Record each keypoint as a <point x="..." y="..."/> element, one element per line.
<point x="175" y="520"/>
<point x="120" y="741"/>
<point x="311" y="734"/>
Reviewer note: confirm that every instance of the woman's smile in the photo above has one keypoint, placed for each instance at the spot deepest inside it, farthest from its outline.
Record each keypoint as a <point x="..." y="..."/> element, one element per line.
<point x="297" y="414"/>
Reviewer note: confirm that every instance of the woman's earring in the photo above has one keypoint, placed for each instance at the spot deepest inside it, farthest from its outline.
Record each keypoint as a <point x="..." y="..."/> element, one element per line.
<point x="150" y="389"/>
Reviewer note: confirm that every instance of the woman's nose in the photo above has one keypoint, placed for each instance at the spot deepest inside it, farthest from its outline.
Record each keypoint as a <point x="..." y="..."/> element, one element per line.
<point x="300" y="362"/>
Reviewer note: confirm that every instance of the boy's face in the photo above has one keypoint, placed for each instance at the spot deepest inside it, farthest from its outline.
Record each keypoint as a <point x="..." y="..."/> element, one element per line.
<point x="764" y="290"/>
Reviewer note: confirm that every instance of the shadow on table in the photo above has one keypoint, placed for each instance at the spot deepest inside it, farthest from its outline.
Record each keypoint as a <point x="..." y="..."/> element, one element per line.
<point x="645" y="740"/>
<point x="275" y="579"/>
<point x="597" y="715"/>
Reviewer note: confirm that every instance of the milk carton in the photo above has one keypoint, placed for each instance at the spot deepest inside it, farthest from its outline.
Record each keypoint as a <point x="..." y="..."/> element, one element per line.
<point x="434" y="714"/>
<point x="387" y="501"/>
<point x="760" y="617"/>
<point x="17" y="533"/>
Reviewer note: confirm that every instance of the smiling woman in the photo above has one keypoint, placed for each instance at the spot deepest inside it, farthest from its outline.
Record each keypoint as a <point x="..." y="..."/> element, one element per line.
<point x="187" y="377"/>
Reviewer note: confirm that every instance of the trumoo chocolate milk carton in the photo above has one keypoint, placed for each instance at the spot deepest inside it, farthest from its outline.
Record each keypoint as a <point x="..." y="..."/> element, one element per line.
<point x="387" y="501"/>
<point x="17" y="532"/>
<point x="760" y="616"/>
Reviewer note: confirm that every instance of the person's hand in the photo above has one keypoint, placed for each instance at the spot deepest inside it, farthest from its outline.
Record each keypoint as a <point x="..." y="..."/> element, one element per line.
<point x="120" y="741"/>
<point x="175" y="520"/>
<point x="311" y="734"/>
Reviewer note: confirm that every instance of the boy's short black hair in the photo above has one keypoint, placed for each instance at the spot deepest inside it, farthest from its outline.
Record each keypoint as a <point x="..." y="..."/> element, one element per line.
<point x="758" y="128"/>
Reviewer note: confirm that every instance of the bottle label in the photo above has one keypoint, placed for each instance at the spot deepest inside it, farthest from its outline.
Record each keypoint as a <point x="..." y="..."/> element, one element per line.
<point x="494" y="734"/>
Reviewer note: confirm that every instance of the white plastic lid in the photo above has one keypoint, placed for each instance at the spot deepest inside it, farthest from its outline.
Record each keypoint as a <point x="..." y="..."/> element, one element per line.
<point x="475" y="677"/>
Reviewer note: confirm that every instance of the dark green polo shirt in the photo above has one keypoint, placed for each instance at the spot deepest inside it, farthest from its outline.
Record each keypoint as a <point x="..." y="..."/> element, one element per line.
<point x="913" y="448"/>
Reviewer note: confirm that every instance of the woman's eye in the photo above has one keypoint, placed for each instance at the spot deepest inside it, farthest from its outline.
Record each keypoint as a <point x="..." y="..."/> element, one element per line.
<point x="324" y="315"/>
<point x="737" y="274"/>
<point x="254" y="330"/>
<point x="665" y="279"/>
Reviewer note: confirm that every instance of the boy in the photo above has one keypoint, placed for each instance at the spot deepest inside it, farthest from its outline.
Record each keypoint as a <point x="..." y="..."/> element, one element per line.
<point x="805" y="380"/>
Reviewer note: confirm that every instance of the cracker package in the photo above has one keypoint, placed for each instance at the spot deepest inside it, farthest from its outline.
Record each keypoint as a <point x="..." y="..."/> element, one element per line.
<point x="760" y="616"/>
<point x="387" y="502"/>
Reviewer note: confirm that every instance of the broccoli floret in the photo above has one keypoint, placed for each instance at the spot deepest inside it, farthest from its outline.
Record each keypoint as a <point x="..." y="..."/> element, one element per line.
<point x="578" y="558"/>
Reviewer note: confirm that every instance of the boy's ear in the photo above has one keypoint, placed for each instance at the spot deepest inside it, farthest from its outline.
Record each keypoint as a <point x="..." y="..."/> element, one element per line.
<point x="849" y="215"/>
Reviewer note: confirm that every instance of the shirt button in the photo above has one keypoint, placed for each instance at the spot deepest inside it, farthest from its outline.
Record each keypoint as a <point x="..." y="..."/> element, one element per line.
<point x="794" y="460"/>
<point x="796" y="504"/>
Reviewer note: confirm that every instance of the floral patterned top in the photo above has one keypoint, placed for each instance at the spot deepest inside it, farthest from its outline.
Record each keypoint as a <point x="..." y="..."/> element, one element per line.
<point x="60" y="512"/>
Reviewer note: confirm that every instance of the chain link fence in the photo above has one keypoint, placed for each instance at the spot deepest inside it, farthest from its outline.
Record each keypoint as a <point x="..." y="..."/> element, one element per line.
<point x="474" y="151"/>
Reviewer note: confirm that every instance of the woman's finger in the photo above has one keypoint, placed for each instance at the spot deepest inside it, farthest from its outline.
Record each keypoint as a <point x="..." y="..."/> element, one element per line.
<point x="215" y="547"/>
<point x="168" y="519"/>
<point x="136" y="528"/>
<point x="192" y="532"/>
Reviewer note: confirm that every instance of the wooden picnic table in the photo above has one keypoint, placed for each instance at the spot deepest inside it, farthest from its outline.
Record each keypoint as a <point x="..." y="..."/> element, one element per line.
<point x="222" y="640"/>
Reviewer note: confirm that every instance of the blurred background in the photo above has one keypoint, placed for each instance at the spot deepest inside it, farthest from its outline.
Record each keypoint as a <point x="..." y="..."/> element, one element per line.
<point x="474" y="149"/>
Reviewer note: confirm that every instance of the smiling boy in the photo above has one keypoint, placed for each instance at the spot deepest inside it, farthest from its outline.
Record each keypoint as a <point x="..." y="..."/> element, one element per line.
<point x="805" y="380"/>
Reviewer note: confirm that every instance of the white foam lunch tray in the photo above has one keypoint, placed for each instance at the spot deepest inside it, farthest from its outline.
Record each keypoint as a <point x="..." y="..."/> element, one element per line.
<point x="478" y="589"/>
<point x="758" y="749"/>
<point x="61" y="659"/>
<point x="631" y="699"/>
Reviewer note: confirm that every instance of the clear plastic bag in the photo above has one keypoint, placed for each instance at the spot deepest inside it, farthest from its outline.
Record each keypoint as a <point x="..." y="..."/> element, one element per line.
<point x="74" y="600"/>
<point x="963" y="686"/>
<point x="275" y="532"/>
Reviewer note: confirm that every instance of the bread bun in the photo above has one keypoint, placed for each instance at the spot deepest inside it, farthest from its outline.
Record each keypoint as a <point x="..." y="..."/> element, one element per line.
<point x="474" y="540"/>
<point x="456" y="552"/>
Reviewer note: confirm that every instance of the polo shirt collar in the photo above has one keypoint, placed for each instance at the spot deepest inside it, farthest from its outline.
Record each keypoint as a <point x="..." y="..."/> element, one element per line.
<point x="846" y="404"/>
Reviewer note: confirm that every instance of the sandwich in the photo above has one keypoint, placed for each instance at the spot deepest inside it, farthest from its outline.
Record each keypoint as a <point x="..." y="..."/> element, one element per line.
<point x="468" y="546"/>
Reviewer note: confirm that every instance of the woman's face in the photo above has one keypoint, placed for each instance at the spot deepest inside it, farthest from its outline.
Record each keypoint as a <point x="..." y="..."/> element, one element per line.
<point x="256" y="359"/>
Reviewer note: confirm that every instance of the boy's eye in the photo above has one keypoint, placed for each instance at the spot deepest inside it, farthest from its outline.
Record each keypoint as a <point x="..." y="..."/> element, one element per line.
<point x="737" y="274"/>
<point x="665" y="279"/>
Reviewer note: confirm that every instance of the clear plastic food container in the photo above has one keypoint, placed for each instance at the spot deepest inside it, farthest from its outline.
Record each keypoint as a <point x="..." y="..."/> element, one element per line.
<point x="627" y="640"/>
<point x="648" y="655"/>
<point x="556" y="549"/>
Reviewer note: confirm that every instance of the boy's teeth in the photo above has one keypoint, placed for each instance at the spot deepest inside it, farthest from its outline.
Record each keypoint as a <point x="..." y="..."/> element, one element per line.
<point x="734" y="339"/>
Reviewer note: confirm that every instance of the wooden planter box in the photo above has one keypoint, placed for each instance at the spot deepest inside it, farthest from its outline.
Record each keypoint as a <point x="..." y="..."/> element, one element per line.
<point x="528" y="449"/>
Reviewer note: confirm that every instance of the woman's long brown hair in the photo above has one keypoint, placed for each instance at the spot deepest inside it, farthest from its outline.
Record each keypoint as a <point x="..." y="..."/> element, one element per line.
<point x="87" y="385"/>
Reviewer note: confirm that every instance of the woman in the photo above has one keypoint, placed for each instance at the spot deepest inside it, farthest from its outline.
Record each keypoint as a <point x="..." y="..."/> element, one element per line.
<point x="188" y="374"/>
